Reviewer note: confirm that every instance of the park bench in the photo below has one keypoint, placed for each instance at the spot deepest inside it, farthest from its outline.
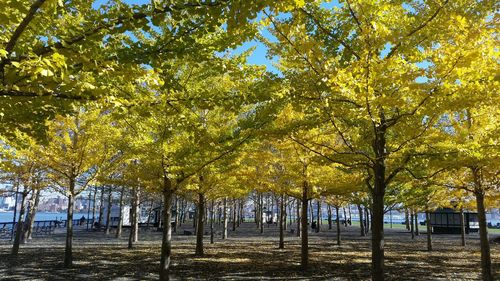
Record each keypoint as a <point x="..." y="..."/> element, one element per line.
<point x="4" y="231"/>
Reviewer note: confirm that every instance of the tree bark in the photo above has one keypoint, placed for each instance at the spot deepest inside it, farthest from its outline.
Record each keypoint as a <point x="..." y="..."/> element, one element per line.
<point x="20" y="224"/>
<point x="68" y="251"/>
<point x="407" y="220"/>
<point x="304" y="256"/>
<point x="318" y="215"/>
<point x="486" y="270"/>
<point x="429" y="231"/>
<point x="368" y="220"/>
<point x="234" y="214"/>
<point x="378" y="207"/>
<point x="101" y="208"/>
<point x="93" y="206"/>
<point x="281" y="222"/>
<point x="462" y="227"/>
<point x="412" y="225"/>
<point x="134" y="227"/>
<point x="311" y="211"/>
<point x="256" y="210"/>
<point x="212" y="218"/>
<point x="345" y="217"/>
<point x="285" y="213"/>
<point x="350" y="215"/>
<point x="224" y="224"/>
<point x="361" y="222"/>
<point x="261" y="215"/>
<point x="31" y="215"/>
<point x="329" y="217"/>
<point x="176" y="215"/>
<point x="299" y="220"/>
<point x="338" y="224"/>
<point x="108" y="211"/>
<point x="417" y="232"/>
<point x="166" y="242"/>
<point x="200" y="224"/>
<point x="119" y="227"/>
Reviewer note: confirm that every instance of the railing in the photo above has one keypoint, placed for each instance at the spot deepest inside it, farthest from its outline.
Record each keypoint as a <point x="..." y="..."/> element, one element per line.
<point x="40" y="228"/>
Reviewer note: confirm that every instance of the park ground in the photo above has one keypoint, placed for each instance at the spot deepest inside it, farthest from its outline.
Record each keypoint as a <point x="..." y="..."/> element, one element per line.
<point x="247" y="255"/>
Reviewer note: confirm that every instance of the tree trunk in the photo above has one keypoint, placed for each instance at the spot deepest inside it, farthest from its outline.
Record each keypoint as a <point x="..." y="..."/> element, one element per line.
<point x="417" y="232"/>
<point x="361" y="222"/>
<point x="299" y="220"/>
<point x="311" y="211"/>
<point x="150" y="214"/>
<point x="212" y="218"/>
<point x="345" y="217"/>
<point x="407" y="220"/>
<point x="101" y="208"/>
<point x="412" y="225"/>
<point x="200" y="224"/>
<point x="285" y="213"/>
<point x="224" y="224"/>
<point x="281" y="222"/>
<point x="20" y="224"/>
<point x="462" y="227"/>
<point x="68" y="251"/>
<point x="93" y="206"/>
<point x="134" y="226"/>
<point x="195" y="216"/>
<point x="166" y="242"/>
<point x="256" y="210"/>
<point x="350" y="215"/>
<point x="108" y="211"/>
<point x="329" y="217"/>
<point x="261" y="215"/>
<point x="486" y="269"/>
<point x="378" y="209"/>
<point x="429" y="231"/>
<point x="368" y="220"/>
<point x="31" y="215"/>
<point x="176" y="215"/>
<point x="318" y="215"/>
<point x="119" y="227"/>
<point x="338" y="224"/>
<point x="304" y="257"/>
<point x="242" y="211"/>
<point x="234" y="214"/>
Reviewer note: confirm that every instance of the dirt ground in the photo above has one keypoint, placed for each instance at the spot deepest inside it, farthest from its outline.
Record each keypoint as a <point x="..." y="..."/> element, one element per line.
<point x="247" y="255"/>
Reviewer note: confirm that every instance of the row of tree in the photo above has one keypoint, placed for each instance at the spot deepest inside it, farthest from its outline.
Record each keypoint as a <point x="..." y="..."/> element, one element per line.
<point x="393" y="100"/>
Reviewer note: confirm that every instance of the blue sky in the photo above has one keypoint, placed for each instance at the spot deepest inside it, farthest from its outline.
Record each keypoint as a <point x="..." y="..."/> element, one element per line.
<point x="258" y="57"/>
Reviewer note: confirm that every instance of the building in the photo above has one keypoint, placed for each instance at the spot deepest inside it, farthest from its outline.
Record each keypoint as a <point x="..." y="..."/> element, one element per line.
<point x="447" y="221"/>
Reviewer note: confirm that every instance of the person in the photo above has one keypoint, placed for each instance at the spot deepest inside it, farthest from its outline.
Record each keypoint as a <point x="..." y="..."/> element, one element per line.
<point x="82" y="220"/>
<point x="313" y="225"/>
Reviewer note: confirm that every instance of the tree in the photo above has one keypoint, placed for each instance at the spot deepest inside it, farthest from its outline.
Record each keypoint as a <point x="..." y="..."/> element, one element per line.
<point x="375" y="82"/>
<point x="20" y="167"/>
<point x="76" y="150"/>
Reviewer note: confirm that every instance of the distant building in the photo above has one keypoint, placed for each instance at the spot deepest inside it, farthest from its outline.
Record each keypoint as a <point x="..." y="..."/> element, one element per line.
<point x="7" y="202"/>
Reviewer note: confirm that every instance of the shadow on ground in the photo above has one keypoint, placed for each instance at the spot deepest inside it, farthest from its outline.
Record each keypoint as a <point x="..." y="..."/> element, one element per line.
<point x="246" y="255"/>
